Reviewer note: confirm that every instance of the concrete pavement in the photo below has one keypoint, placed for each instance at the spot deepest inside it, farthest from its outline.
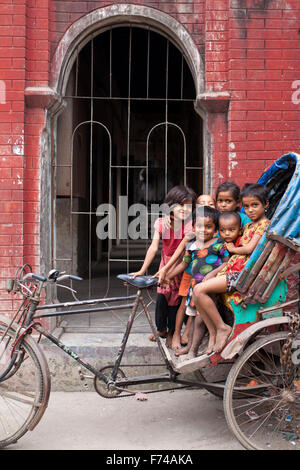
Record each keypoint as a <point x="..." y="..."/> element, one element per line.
<point x="190" y="419"/>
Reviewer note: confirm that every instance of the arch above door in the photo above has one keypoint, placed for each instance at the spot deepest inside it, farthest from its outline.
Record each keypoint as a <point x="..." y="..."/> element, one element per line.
<point x="79" y="33"/>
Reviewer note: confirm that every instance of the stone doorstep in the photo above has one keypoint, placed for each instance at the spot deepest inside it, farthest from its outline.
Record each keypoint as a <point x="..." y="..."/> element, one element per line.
<point x="100" y="350"/>
<point x="141" y="357"/>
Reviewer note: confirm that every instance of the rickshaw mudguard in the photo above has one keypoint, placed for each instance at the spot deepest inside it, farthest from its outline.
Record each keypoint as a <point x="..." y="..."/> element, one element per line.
<point x="247" y="321"/>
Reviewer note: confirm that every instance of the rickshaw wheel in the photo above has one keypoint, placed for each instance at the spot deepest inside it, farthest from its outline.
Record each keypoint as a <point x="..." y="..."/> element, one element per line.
<point x="262" y="397"/>
<point x="104" y="389"/>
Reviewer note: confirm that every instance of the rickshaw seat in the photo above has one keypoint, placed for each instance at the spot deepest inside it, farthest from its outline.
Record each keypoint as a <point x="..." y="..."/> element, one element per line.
<point x="141" y="282"/>
<point x="253" y="311"/>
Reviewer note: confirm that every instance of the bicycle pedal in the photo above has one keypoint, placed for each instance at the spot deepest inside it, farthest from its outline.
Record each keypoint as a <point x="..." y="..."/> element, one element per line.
<point x="83" y="376"/>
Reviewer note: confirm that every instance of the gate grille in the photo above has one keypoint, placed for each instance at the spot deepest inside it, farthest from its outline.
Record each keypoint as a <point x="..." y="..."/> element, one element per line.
<point x="128" y="129"/>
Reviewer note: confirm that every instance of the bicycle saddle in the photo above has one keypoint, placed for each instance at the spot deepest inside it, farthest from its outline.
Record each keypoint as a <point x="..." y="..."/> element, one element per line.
<point x="140" y="281"/>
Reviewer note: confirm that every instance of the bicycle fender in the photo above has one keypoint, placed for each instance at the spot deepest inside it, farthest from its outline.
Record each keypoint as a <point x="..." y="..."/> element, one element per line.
<point x="44" y="368"/>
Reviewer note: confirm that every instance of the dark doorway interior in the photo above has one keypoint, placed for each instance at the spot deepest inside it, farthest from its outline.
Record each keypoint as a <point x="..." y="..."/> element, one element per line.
<point x="129" y="128"/>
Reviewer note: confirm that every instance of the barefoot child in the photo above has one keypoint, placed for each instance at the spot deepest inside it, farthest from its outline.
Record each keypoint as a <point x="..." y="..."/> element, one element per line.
<point x="205" y="254"/>
<point x="254" y="199"/>
<point x="181" y="201"/>
<point x="230" y="231"/>
<point x="177" y="341"/>
<point x="227" y="199"/>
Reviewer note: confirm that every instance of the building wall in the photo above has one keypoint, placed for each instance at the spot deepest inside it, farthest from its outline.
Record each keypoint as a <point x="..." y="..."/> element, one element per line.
<point x="250" y="52"/>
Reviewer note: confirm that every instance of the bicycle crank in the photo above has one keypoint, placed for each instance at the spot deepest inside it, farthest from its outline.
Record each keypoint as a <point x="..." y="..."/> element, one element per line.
<point x="108" y="390"/>
<point x="83" y="377"/>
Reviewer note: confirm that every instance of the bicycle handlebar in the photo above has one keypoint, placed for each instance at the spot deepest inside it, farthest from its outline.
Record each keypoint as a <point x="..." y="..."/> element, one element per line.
<point x="32" y="276"/>
<point x="69" y="276"/>
<point x="16" y="284"/>
<point x="38" y="277"/>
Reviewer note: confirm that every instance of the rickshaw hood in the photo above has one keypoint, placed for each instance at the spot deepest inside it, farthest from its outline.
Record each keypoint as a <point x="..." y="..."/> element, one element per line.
<point x="285" y="222"/>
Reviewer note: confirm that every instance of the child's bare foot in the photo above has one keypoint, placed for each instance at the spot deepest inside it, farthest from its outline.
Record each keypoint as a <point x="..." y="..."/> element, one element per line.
<point x="185" y="334"/>
<point x="221" y="338"/>
<point x="211" y="344"/>
<point x="169" y="339"/>
<point x="182" y="351"/>
<point x="176" y="344"/>
<point x="162" y="334"/>
<point x="184" y="339"/>
<point x="191" y="354"/>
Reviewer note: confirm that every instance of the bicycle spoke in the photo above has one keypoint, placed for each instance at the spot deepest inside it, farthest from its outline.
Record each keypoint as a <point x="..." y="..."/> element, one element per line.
<point x="268" y="415"/>
<point x="21" y="392"/>
<point x="16" y="398"/>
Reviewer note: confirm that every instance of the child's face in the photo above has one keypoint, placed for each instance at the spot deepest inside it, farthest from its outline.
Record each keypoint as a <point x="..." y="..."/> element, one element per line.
<point x="206" y="200"/>
<point x="182" y="211"/>
<point x="226" y="202"/>
<point x="204" y="228"/>
<point x="254" y="208"/>
<point x="229" y="229"/>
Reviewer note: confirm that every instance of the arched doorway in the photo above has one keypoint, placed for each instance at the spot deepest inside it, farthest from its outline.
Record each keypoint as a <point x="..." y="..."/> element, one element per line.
<point x="128" y="133"/>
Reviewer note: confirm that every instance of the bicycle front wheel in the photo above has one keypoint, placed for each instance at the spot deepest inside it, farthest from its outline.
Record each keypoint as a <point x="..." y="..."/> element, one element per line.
<point x="24" y="391"/>
<point x="262" y="397"/>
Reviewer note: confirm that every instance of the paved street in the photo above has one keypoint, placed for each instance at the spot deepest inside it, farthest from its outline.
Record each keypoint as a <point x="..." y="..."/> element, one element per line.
<point x="184" y="419"/>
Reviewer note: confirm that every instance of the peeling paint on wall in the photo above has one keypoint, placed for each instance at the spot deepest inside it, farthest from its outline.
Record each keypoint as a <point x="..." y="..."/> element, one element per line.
<point x="232" y="159"/>
<point x="18" y="181"/>
<point x="18" y="146"/>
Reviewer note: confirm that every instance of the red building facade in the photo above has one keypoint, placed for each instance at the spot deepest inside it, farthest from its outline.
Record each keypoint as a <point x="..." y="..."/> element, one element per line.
<point x="244" y="60"/>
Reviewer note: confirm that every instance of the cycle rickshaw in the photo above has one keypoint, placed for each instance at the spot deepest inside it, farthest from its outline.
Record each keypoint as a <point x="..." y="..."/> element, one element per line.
<point x="261" y="393"/>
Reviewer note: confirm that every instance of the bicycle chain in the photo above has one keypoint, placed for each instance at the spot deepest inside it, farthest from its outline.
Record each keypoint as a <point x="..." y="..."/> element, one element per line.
<point x="286" y="352"/>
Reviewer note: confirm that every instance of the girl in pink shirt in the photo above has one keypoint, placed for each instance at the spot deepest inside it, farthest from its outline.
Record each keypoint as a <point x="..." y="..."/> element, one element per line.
<point x="181" y="201"/>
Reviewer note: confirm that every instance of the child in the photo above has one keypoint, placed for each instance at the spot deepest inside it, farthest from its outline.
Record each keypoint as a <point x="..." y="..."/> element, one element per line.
<point x="177" y="340"/>
<point x="230" y="227"/>
<point x="254" y="198"/>
<point x="230" y="231"/>
<point x="205" y="254"/>
<point x="228" y="199"/>
<point x="181" y="201"/>
<point x="206" y="200"/>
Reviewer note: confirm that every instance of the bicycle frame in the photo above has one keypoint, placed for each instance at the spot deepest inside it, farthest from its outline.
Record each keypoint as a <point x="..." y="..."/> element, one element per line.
<point x="170" y="376"/>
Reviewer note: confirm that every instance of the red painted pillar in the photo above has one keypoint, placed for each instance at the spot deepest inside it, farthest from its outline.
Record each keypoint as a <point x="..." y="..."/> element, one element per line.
<point x="216" y="98"/>
<point x="12" y="82"/>
<point x="37" y="76"/>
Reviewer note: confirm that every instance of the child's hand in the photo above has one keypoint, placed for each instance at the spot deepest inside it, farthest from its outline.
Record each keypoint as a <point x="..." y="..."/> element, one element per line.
<point x="166" y="222"/>
<point x="138" y="273"/>
<point x="161" y="274"/>
<point x="230" y="247"/>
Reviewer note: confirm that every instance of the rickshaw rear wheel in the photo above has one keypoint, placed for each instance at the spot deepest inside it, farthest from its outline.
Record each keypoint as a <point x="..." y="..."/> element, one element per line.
<point x="262" y="397"/>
